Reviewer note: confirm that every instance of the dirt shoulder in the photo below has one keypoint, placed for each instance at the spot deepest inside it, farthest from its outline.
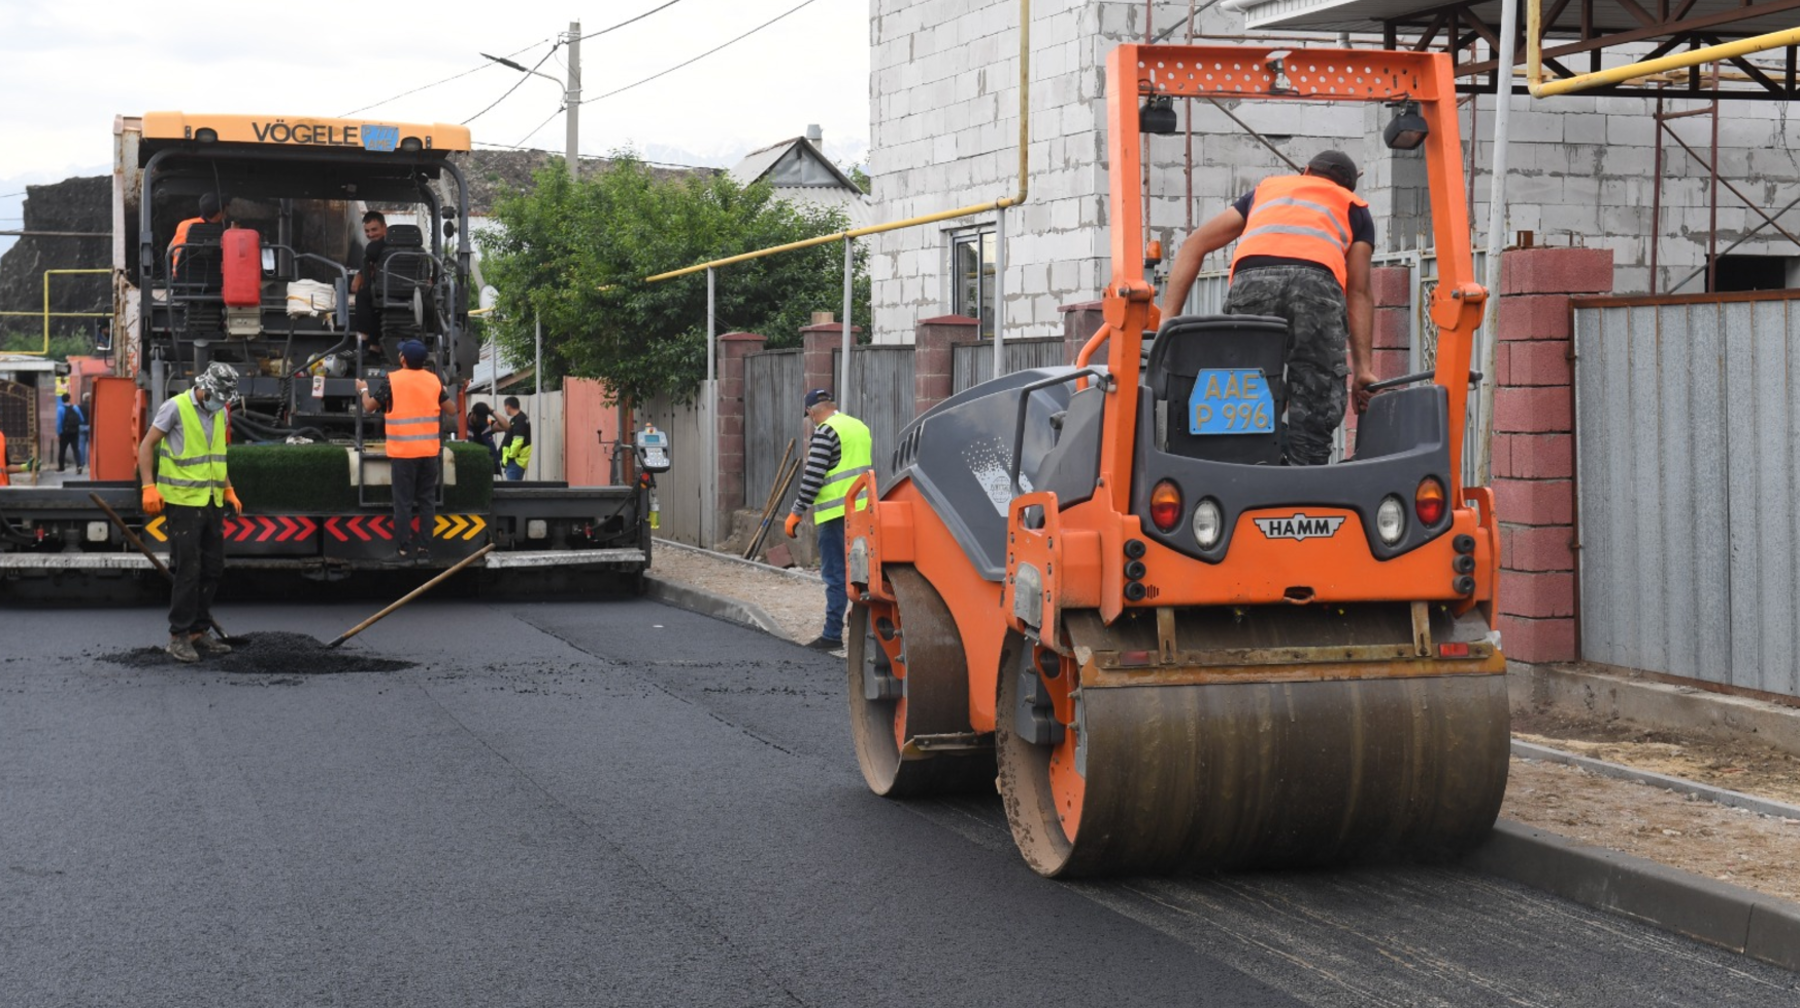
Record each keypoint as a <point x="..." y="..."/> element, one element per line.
<point x="1734" y="845"/>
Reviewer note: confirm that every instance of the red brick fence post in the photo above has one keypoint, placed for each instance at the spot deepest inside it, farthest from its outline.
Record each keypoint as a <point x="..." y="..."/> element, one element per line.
<point x="1534" y="446"/>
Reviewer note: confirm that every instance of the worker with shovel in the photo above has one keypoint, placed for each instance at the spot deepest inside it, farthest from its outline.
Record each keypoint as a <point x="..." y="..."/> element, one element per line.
<point x="181" y="463"/>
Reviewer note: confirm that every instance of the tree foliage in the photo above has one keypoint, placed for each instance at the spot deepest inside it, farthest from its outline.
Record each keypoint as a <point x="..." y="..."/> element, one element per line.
<point x="574" y="254"/>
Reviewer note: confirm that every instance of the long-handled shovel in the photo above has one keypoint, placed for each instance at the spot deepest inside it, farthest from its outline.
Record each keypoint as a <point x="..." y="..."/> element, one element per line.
<point x="155" y="561"/>
<point x="415" y="593"/>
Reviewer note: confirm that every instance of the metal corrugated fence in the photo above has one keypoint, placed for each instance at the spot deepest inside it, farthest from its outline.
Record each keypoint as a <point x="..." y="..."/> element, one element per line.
<point x="1688" y="466"/>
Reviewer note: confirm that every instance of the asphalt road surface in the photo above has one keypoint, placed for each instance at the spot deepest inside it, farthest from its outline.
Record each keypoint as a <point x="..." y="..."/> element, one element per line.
<point x="625" y="804"/>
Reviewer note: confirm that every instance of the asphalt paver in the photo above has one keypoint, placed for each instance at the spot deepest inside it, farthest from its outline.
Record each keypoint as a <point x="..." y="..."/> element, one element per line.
<point x="624" y="804"/>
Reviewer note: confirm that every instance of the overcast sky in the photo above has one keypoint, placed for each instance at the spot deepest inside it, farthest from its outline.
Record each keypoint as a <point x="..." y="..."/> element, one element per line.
<point x="67" y="68"/>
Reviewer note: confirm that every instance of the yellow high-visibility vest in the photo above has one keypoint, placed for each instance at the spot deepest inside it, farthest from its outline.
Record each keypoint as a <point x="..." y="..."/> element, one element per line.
<point x="856" y="453"/>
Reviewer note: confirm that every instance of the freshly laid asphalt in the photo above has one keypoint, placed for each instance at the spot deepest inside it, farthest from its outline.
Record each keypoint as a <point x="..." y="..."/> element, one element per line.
<point x="621" y="803"/>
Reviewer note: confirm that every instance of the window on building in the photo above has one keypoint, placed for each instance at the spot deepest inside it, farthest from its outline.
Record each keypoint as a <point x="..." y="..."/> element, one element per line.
<point x="1756" y="272"/>
<point x="972" y="271"/>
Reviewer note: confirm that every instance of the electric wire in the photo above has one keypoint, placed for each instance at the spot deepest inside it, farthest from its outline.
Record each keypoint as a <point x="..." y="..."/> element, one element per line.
<point x="508" y="92"/>
<point x="446" y="80"/>
<point x="696" y="59"/>
<point x="622" y="24"/>
<point x="539" y="126"/>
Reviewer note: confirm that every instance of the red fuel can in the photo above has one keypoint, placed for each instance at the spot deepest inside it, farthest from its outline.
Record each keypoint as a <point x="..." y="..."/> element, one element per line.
<point x="242" y="249"/>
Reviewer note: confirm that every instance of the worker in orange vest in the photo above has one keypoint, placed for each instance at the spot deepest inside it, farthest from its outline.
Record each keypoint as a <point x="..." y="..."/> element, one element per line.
<point x="210" y="213"/>
<point x="1304" y="245"/>
<point x="412" y="405"/>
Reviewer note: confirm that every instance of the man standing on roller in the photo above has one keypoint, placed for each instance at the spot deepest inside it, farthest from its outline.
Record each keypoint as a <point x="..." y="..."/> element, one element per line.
<point x="1304" y="244"/>
<point x="841" y="450"/>
<point x="182" y="465"/>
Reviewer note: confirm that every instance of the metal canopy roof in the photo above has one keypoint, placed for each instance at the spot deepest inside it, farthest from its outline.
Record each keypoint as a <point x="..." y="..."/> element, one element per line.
<point x="1727" y="18"/>
<point x="1576" y="32"/>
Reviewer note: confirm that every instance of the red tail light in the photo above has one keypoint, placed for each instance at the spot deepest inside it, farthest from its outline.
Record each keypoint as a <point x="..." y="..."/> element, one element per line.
<point x="1165" y="506"/>
<point x="1428" y="501"/>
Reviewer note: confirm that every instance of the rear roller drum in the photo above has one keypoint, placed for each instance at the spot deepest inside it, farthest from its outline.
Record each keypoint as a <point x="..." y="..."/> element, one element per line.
<point x="1168" y="778"/>
<point x="909" y="695"/>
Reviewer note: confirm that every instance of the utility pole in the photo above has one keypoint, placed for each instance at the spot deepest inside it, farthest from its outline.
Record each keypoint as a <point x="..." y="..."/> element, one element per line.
<point x="573" y="100"/>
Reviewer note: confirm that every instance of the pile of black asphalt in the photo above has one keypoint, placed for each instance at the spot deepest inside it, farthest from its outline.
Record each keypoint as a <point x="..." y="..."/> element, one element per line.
<point x="267" y="653"/>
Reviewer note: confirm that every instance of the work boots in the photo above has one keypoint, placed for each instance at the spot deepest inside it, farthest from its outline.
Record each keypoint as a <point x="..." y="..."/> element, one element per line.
<point x="181" y="648"/>
<point x="209" y="645"/>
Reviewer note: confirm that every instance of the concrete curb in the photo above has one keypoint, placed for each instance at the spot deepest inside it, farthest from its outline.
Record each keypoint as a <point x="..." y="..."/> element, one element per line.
<point x="1718" y="913"/>
<point x="809" y="578"/>
<point x="1595" y="693"/>
<point x="708" y="604"/>
<point x="1680" y="785"/>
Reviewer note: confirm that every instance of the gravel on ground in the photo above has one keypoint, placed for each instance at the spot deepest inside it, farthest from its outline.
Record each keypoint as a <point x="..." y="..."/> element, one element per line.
<point x="267" y="653"/>
<point x="1734" y="845"/>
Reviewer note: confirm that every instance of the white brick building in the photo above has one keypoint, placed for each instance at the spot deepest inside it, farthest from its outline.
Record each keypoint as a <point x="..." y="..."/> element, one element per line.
<point x="944" y="105"/>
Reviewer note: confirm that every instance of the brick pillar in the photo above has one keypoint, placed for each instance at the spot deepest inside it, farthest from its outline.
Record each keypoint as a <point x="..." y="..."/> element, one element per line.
<point x="1391" y="288"/>
<point x="732" y="349"/>
<point x="933" y="340"/>
<point x="1081" y="321"/>
<point x="1534" y="446"/>
<point x="818" y="341"/>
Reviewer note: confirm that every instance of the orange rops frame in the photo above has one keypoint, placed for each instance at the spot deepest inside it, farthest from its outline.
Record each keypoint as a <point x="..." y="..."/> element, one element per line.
<point x="1277" y="74"/>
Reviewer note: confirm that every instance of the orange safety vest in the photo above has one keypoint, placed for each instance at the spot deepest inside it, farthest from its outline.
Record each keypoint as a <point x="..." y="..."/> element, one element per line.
<point x="5" y="480"/>
<point x="412" y="422"/>
<point x="180" y="238"/>
<point x="1299" y="217"/>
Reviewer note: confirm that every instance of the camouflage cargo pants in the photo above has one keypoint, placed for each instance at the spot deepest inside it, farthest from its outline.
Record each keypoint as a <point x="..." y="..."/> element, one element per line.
<point x="1318" y="332"/>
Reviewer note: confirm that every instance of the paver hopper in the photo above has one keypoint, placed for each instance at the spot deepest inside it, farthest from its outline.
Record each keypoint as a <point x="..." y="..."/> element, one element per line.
<point x="1176" y="652"/>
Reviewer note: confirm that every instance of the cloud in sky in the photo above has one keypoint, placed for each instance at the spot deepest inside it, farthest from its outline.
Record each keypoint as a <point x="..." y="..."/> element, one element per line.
<point x="68" y="69"/>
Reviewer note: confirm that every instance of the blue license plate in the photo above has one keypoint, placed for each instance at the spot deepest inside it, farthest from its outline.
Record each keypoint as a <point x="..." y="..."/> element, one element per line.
<point x="1231" y="401"/>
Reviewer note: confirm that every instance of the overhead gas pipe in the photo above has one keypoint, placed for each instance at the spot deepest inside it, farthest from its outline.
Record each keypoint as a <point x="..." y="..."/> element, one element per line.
<point x="1540" y="88"/>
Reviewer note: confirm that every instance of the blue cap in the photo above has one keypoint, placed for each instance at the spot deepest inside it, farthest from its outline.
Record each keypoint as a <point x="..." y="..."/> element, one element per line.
<point x="413" y="353"/>
<point x="817" y="396"/>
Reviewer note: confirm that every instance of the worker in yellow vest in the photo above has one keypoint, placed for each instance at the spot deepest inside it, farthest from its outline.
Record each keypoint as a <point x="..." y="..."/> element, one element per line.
<point x="841" y="450"/>
<point x="181" y="463"/>
<point x="412" y="407"/>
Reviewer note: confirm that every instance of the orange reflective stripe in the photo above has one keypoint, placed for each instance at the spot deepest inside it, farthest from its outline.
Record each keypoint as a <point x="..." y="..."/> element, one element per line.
<point x="1299" y="217"/>
<point x="412" y="423"/>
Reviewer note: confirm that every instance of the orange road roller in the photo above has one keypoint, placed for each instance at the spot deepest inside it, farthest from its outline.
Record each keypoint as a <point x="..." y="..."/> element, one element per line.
<point x="1167" y="649"/>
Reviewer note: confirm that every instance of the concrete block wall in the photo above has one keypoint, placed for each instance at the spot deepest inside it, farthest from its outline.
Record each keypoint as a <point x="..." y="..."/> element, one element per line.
<point x="1534" y="445"/>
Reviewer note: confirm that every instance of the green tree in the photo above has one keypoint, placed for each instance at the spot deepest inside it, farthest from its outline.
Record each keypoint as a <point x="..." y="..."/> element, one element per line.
<point x="62" y="347"/>
<point x="573" y="255"/>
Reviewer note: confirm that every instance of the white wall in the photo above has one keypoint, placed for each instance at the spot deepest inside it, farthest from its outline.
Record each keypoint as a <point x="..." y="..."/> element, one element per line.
<point x="943" y="111"/>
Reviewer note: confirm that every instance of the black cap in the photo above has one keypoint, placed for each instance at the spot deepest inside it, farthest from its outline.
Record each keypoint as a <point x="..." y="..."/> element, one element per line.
<point x="1336" y="166"/>
<point x="209" y="204"/>
<point x="817" y="396"/>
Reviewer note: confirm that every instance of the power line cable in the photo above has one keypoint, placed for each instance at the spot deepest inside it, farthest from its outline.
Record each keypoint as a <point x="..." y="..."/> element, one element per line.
<point x="546" y="122"/>
<point x="634" y="20"/>
<point x="446" y="80"/>
<point x="696" y="59"/>
<point x="552" y="52"/>
<point x="508" y="93"/>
